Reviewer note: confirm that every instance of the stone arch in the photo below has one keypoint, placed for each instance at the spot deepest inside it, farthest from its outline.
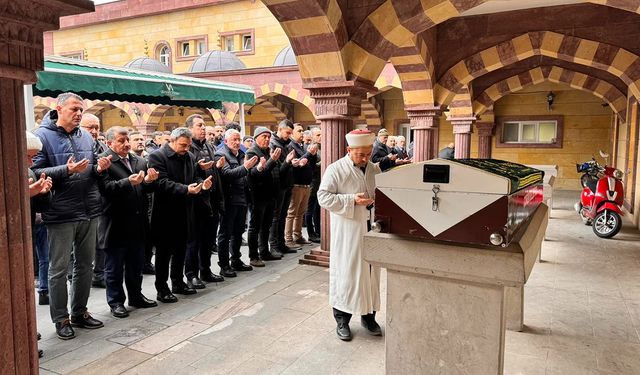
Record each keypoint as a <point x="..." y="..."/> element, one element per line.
<point x="586" y="52"/>
<point x="98" y="108"/>
<point x="320" y="34"/>
<point x="300" y="96"/>
<point x="462" y="106"/>
<point x="415" y="68"/>
<point x="602" y="89"/>
<point x="277" y="109"/>
<point x="156" y="115"/>
<point x="39" y="111"/>
<point x="372" y="112"/>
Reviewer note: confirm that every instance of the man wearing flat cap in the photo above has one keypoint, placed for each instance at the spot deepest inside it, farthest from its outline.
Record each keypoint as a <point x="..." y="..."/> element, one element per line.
<point x="347" y="191"/>
<point x="382" y="153"/>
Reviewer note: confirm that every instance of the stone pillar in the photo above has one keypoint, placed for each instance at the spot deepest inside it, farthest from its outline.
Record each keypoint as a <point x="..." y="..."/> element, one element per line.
<point x="336" y="103"/>
<point x="485" y="134"/>
<point x="462" y="129"/>
<point x="424" y="123"/>
<point x="24" y="22"/>
<point x="147" y="129"/>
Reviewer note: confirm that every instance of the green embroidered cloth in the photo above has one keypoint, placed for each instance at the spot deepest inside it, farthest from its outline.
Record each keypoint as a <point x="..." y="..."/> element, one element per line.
<point x="520" y="175"/>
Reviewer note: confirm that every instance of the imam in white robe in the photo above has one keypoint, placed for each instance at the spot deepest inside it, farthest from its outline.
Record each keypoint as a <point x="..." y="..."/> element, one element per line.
<point x="354" y="285"/>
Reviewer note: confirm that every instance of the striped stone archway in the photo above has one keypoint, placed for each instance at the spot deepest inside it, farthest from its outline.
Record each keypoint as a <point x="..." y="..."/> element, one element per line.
<point x="300" y="96"/>
<point x="415" y="68"/>
<point x="586" y="52"/>
<point x="602" y="89"/>
<point x="372" y="112"/>
<point x="99" y="106"/>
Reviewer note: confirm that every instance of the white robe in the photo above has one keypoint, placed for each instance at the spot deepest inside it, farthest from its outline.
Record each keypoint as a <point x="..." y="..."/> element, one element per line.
<point x="354" y="285"/>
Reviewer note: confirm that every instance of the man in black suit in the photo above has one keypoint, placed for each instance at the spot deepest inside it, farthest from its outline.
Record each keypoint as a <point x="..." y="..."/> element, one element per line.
<point x="124" y="188"/>
<point x="172" y="219"/>
<point x="207" y="209"/>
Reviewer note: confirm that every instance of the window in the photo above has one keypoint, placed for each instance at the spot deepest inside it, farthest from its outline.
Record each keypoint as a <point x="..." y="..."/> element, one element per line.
<point x="530" y="131"/>
<point x="189" y="48"/>
<point x="77" y="55"/>
<point x="163" y="54"/>
<point x="184" y="47"/>
<point x="229" y="44"/>
<point x="240" y="42"/>
<point x="247" y="42"/>
<point x="202" y="46"/>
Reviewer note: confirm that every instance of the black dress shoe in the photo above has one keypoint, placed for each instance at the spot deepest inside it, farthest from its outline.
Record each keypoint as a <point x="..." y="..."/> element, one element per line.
<point x="86" y="321"/>
<point x="269" y="256"/>
<point x="288" y="250"/>
<point x="195" y="283"/>
<point x="148" y="269"/>
<point x="211" y="277"/>
<point x="98" y="284"/>
<point x="344" y="332"/>
<point x="182" y="288"/>
<point x="119" y="311"/>
<point x="38" y="336"/>
<point x="143" y="302"/>
<point x="227" y="272"/>
<point x="370" y="324"/>
<point x="40" y="353"/>
<point x="64" y="330"/>
<point x="43" y="298"/>
<point x="239" y="266"/>
<point x="314" y="238"/>
<point x="166" y="296"/>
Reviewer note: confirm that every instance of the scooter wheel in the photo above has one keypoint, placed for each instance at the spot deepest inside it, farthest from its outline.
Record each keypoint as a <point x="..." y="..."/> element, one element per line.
<point x="607" y="224"/>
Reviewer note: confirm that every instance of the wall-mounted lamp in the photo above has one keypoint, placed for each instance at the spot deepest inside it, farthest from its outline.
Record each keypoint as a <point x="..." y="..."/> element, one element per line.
<point x="181" y="111"/>
<point x="550" y="97"/>
<point x="122" y="114"/>
<point x="136" y="111"/>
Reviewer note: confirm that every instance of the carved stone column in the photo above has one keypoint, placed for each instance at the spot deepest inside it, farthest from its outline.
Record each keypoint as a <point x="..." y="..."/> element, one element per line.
<point x="23" y="24"/>
<point x="462" y="129"/>
<point x="424" y="123"/>
<point x="336" y="103"/>
<point x="147" y="129"/>
<point x="485" y="134"/>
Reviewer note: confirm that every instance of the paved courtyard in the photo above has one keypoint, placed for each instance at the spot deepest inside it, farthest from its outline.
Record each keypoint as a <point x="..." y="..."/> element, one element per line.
<point x="582" y="316"/>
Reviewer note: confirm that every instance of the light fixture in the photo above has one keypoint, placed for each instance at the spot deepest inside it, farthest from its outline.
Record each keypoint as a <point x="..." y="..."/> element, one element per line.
<point x="122" y="114"/>
<point x="136" y="111"/>
<point x="550" y="97"/>
<point x="181" y="111"/>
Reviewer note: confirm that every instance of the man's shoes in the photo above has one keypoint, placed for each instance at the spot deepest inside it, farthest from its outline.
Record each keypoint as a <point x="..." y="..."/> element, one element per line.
<point x="370" y="324"/>
<point x="98" y="284"/>
<point x="86" y="321"/>
<point x="195" y="283"/>
<point x="344" y="332"/>
<point x="40" y="353"/>
<point x="143" y="303"/>
<point x="239" y="266"/>
<point x="64" y="330"/>
<point x="256" y="263"/>
<point x="302" y="241"/>
<point x="289" y="247"/>
<point x="38" y="336"/>
<point x="165" y="296"/>
<point x="226" y="271"/>
<point x="214" y="249"/>
<point x="268" y="256"/>
<point x="43" y="298"/>
<point x="182" y="288"/>
<point x="119" y="311"/>
<point x="211" y="277"/>
<point x="148" y="269"/>
<point x="314" y="238"/>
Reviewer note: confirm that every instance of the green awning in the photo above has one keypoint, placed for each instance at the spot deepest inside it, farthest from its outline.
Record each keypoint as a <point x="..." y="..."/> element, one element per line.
<point x="105" y="82"/>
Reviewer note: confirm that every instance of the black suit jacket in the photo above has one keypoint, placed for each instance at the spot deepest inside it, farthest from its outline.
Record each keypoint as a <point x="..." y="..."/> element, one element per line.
<point x="125" y="220"/>
<point x="172" y="216"/>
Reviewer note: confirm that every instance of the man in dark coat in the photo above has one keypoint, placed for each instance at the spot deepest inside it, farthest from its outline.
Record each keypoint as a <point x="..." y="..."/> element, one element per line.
<point x="448" y="152"/>
<point x="312" y="215"/>
<point x="234" y="180"/>
<point x="302" y="177"/>
<point x="381" y="153"/>
<point x="67" y="157"/>
<point x="124" y="188"/>
<point x="263" y="187"/>
<point x="401" y="149"/>
<point x="280" y="140"/>
<point x="172" y="219"/>
<point x="207" y="209"/>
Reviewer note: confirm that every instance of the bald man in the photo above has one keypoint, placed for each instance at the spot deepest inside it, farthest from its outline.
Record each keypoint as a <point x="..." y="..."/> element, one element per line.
<point x="91" y="123"/>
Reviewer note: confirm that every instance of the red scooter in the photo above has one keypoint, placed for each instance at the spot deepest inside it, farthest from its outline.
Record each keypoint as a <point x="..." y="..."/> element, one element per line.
<point x="602" y="195"/>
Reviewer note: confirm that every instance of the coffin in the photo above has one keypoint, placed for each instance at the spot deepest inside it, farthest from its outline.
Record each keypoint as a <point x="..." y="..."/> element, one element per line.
<point x="472" y="201"/>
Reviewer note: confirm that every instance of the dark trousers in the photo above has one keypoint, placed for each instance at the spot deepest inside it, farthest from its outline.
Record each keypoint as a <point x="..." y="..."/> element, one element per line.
<point x="124" y="262"/>
<point x="312" y="216"/>
<point x="99" y="261"/>
<point x="259" y="225"/>
<point x="41" y="243"/>
<point x="276" y="234"/>
<point x="198" y="256"/>
<point x="230" y="237"/>
<point x="165" y="254"/>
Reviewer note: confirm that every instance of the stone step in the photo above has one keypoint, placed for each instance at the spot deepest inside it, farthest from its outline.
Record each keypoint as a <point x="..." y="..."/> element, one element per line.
<point x="314" y="263"/>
